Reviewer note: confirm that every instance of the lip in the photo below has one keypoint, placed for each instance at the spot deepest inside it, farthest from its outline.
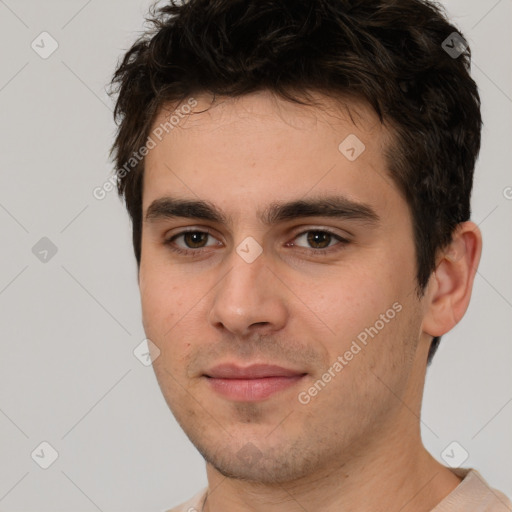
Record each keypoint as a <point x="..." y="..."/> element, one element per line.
<point x="251" y="383"/>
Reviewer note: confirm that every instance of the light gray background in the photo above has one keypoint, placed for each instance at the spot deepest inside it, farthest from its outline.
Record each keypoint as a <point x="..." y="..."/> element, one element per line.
<point x="68" y="375"/>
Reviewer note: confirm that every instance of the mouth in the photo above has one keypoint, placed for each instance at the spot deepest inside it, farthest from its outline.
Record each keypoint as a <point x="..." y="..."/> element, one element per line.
<point x="252" y="383"/>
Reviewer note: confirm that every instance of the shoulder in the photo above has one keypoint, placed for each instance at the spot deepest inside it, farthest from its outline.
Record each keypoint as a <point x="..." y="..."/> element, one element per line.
<point x="474" y="494"/>
<point x="194" y="504"/>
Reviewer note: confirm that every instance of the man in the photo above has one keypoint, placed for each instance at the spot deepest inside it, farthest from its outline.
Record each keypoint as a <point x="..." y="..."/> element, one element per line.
<point x="298" y="174"/>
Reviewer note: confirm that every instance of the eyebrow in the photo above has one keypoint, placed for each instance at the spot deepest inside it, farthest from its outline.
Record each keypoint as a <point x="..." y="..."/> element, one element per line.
<point x="322" y="206"/>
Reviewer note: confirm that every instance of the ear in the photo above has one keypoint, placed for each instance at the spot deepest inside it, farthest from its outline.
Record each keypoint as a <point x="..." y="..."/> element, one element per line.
<point x="449" y="289"/>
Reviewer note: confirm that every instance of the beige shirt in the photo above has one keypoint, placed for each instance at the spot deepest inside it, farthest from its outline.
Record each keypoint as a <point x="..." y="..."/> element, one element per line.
<point x="473" y="494"/>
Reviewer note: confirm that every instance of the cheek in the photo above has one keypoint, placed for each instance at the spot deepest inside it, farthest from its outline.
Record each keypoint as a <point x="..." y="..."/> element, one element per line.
<point x="155" y="300"/>
<point x="162" y="307"/>
<point x="162" y="293"/>
<point x="168" y="315"/>
<point x="349" y="301"/>
<point x="368" y="306"/>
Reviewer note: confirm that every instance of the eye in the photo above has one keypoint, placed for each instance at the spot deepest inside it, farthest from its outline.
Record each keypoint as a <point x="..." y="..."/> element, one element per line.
<point x="192" y="240"/>
<point x="319" y="240"/>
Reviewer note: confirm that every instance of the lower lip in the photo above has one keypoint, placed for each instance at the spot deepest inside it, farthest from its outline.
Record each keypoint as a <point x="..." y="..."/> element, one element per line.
<point x="252" y="390"/>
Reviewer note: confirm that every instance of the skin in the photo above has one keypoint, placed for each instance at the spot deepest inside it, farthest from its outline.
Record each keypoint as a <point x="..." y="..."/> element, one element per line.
<point x="356" y="445"/>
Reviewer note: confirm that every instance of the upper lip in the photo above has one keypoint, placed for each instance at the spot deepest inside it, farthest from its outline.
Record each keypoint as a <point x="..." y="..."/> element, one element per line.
<point x="255" y="371"/>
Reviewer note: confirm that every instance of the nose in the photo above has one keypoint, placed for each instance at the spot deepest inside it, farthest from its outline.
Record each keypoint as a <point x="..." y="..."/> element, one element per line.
<point x="249" y="299"/>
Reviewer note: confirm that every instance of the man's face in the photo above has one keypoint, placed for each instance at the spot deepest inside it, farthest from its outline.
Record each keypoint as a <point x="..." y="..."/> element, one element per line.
<point x="330" y="299"/>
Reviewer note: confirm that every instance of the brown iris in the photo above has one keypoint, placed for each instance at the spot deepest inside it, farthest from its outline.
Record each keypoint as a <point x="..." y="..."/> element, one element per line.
<point x="193" y="239"/>
<point x="319" y="237"/>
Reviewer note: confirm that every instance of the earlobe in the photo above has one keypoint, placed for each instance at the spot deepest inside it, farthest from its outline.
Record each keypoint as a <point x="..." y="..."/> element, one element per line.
<point x="450" y="286"/>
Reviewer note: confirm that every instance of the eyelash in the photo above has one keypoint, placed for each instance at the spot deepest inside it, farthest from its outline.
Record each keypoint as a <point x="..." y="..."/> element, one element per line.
<point x="320" y="252"/>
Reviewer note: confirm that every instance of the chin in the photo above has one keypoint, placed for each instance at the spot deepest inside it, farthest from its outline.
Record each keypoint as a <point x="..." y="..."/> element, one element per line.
<point x="266" y="465"/>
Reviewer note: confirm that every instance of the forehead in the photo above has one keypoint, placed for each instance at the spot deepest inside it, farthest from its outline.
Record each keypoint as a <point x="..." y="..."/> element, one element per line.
<point x="265" y="108"/>
<point x="243" y="153"/>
